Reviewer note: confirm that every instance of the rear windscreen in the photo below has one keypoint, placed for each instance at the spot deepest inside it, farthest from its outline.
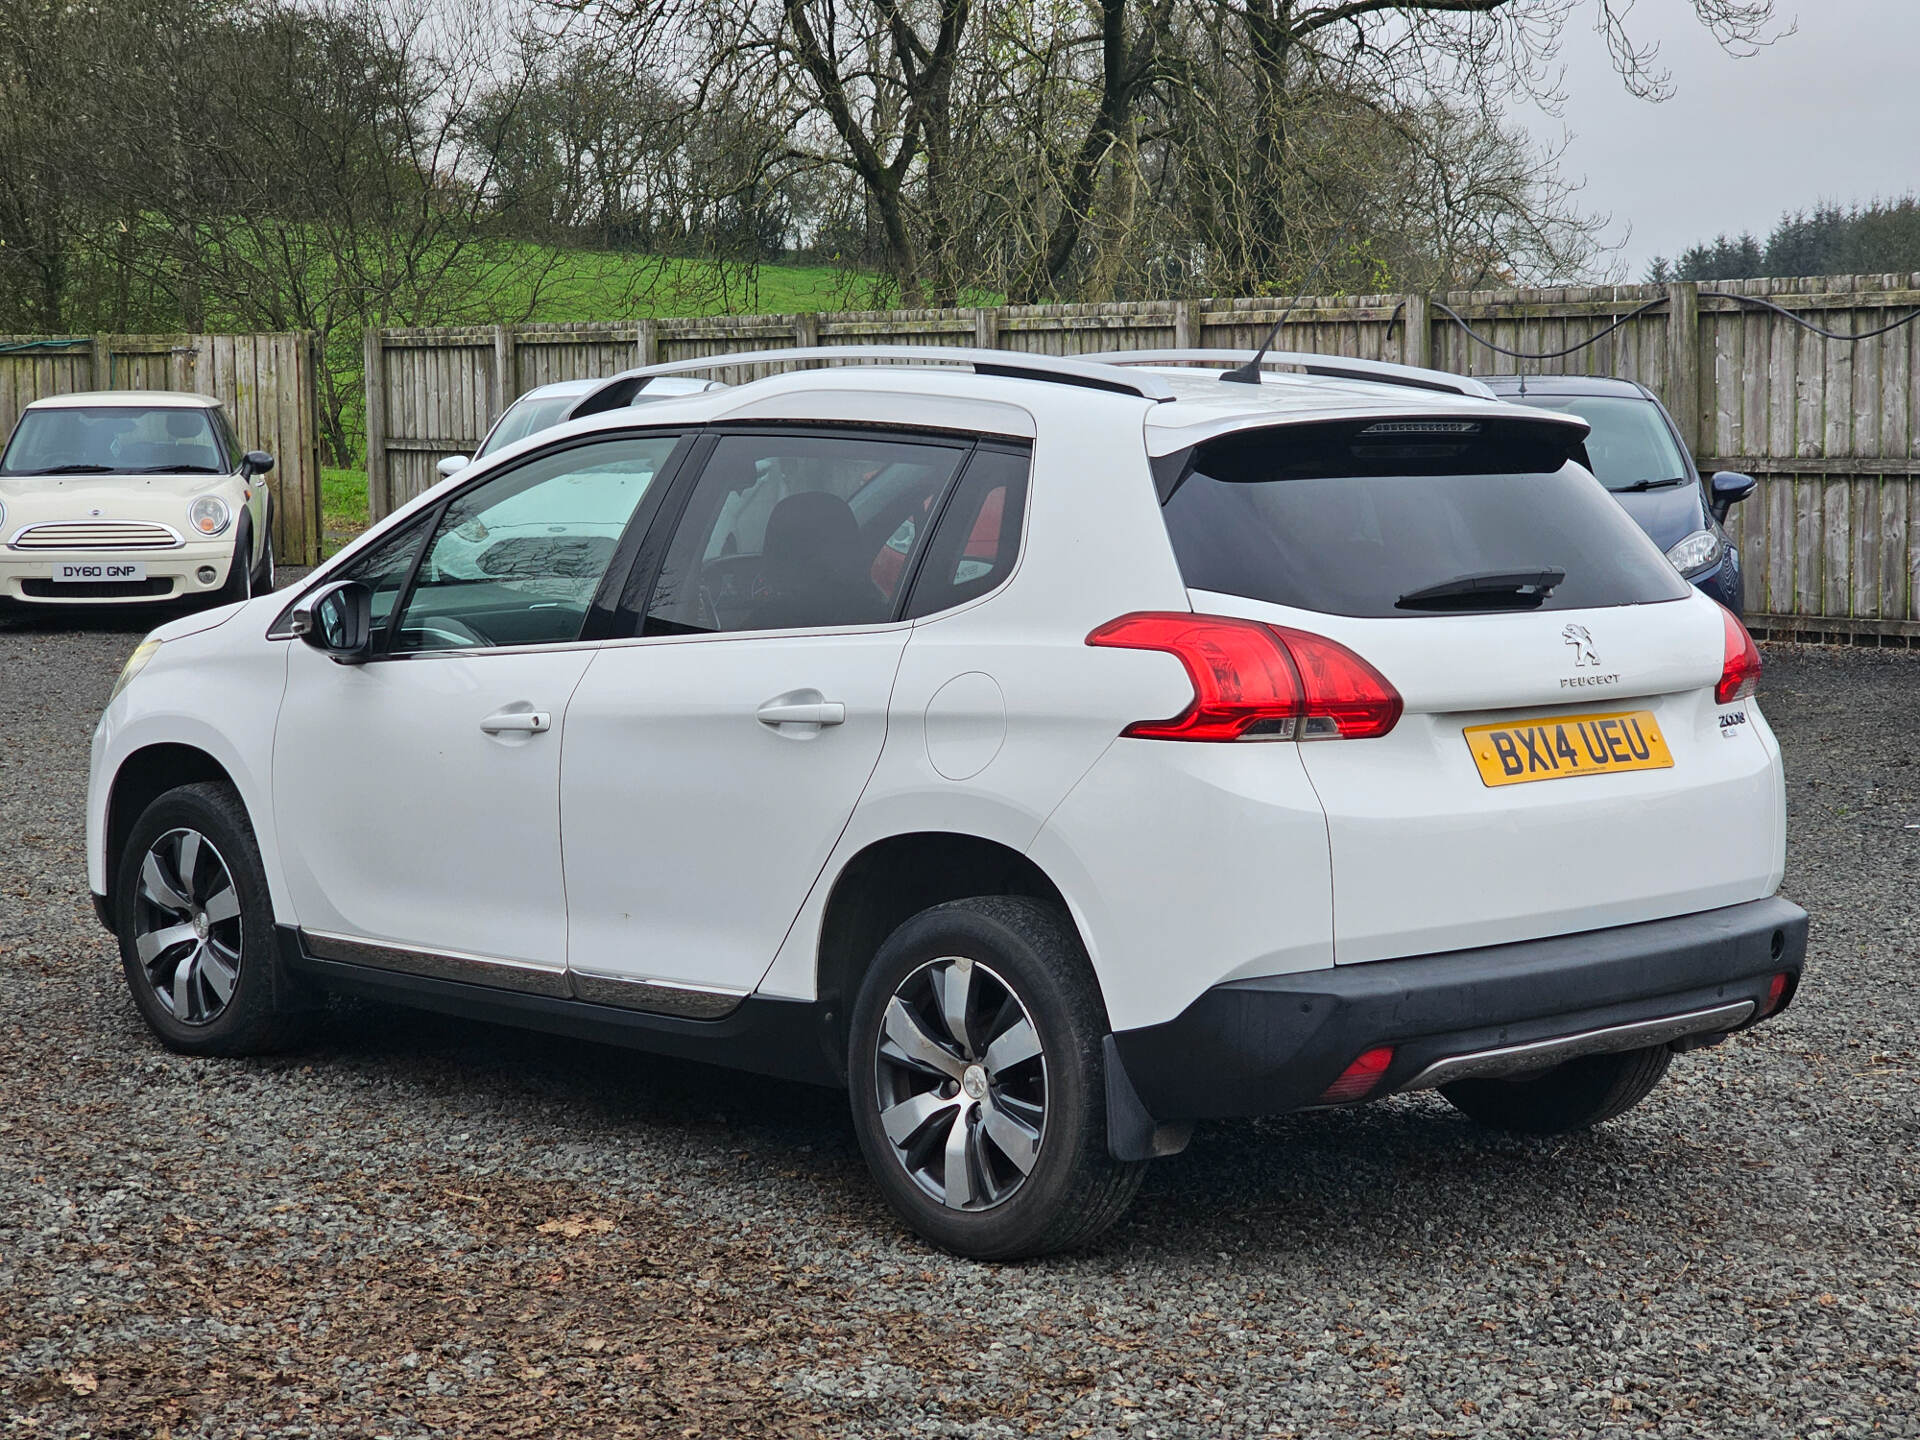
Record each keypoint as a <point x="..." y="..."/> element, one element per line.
<point x="1377" y="520"/>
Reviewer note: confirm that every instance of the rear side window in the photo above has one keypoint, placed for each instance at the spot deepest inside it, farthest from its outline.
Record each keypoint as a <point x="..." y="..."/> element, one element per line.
<point x="978" y="537"/>
<point x="1351" y="520"/>
<point x="799" y="532"/>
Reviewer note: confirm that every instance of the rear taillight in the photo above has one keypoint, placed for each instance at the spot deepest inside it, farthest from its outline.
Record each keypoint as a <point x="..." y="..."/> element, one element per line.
<point x="1740" y="669"/>
<point x="1359" y="1079"/>
<point x="1258" y="682"/>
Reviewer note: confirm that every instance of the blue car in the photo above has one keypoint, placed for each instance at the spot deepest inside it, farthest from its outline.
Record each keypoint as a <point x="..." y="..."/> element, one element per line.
<point x="1637" y="453"/>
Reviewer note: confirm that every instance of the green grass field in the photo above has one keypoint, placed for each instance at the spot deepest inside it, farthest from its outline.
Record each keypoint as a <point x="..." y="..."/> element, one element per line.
<point x="588" y="285"/>
<point x="598" y="285"/>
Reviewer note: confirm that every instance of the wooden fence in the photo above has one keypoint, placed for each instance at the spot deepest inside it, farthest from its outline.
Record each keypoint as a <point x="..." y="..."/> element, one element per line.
<point x="1831" y="428"/>
<point x="267" y="383"/>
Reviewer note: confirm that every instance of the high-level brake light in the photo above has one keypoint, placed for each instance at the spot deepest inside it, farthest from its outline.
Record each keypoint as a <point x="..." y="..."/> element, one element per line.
<point x="1740" y="669"/>
<point x="1258" y="682"/>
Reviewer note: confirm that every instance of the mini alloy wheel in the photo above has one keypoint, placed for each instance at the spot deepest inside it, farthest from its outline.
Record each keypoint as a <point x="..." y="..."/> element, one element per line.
<point x="187" y="930"/>
<point x="961" y="1084"/>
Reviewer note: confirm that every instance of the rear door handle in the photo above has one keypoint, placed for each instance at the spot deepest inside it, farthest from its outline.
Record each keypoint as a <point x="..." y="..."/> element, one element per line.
<point x="801" y="707"/>
<point x="525" y="722"/>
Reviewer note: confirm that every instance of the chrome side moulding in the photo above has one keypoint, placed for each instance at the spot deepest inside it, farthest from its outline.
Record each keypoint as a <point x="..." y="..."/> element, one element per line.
<point x="659" y="997"/>
<point x="520" y="975"/>
<point x="1540" y="1054"/>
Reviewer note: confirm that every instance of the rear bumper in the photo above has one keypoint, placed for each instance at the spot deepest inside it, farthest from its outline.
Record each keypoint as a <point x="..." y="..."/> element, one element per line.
<point x="1260" y="1047"/>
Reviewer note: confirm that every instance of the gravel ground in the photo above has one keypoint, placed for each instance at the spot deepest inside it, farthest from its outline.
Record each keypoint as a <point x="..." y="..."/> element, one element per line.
<point x="420" y="1226"/>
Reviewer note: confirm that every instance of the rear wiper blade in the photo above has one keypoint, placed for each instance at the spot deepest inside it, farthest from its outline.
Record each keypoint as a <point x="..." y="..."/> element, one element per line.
<point x="1491" y="590"/>
<point x="73" y="470"/>
<point x="1652" y="484"/>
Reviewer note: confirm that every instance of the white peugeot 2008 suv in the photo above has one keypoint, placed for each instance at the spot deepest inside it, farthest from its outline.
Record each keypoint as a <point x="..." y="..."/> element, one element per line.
<point x="1053" y="753"/>
<point x="119" y="496"/>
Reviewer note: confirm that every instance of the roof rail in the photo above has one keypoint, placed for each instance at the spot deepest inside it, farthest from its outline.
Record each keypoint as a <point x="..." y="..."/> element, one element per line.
<point x="1008" y="364"/>
<point x="1336" y="367"/>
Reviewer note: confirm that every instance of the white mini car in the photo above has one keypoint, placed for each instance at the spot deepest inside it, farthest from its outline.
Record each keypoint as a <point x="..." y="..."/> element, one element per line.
<point x="132" y="495"/>
<point x="1051" y="752"/>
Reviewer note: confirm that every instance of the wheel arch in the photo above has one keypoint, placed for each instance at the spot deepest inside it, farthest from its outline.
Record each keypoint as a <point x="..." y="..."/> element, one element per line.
<point x="895" y="878"/>
<point x="143" y="777"/>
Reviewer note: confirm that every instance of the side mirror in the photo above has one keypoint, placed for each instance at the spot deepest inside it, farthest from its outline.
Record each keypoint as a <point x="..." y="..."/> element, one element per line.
<point x="256" y="462"/>
<point x="337" y="620"/>
<point x="452" y="465"/>
<point x="1729" y="488"/>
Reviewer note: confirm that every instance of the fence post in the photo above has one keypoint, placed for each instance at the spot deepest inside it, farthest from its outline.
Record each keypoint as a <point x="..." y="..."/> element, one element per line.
<point x="1684" y="389"/>
<point x="1417" y="348"/>
<point x="806" y="331"/>
<point x="374" y="369"/>
<point x="506" y="381"/>
<point x="1186" y="325"/>
<point x="646" y="343"/>
<point x="102" y="362"/>
<point x="986" y="329"/>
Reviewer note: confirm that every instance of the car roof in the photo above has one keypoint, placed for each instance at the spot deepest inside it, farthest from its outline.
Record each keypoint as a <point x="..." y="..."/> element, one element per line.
<point x="146" y="399"/>
<point x="1564" y="385"/>
<point x="1186" y="406"/>
<point x="558" y="389"/>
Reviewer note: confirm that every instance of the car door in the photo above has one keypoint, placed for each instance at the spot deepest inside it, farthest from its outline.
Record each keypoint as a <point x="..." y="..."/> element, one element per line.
<point x="417" y="795"/>
<point x="712" y="760"/>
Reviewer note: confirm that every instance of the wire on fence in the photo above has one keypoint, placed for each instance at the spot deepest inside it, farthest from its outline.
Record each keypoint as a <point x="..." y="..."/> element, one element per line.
<point x="59" y="342"/>
<point x="1755" y="301"/>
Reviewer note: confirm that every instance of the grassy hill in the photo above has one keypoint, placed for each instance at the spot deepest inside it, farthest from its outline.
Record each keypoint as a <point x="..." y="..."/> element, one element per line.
<point x="588" y="285"/>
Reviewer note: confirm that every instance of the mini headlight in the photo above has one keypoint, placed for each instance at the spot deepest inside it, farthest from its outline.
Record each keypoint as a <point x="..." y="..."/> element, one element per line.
<point x="209" y="515"/>
<point x="1699" y="551"/>
<point x="136" y="662"/>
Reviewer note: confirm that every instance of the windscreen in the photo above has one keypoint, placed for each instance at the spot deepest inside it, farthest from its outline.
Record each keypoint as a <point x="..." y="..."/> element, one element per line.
<point x="1630" y="443"/>
<point x="529" y="417"/>
<point x="1352" y="519"/>
<point x="114" y="440"/>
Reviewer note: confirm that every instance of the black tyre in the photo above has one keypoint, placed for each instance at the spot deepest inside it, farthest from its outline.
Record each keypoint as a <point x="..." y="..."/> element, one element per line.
<point x="195" y="923"/>
<point x="976" y="1070"/>
<point x="1572" y="1096"/>
<point x="262" y="582"/>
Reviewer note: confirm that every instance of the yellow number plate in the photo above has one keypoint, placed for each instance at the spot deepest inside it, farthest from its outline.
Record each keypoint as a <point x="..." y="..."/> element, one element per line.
<point x="1558" y="749"/>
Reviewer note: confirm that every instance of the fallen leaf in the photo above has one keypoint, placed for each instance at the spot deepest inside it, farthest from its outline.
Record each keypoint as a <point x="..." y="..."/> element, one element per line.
<point x="81" y="1382"/>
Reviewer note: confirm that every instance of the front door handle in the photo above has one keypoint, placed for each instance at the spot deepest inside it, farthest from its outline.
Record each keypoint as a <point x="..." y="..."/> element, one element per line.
<point x="524" y="722"/>
<point x="801" y="707"/>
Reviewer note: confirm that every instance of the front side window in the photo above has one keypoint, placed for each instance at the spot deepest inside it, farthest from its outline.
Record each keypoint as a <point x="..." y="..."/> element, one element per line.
<point x="798" y="532"/>
<point x="115" y="440"/>
<point x="516" y="559"/>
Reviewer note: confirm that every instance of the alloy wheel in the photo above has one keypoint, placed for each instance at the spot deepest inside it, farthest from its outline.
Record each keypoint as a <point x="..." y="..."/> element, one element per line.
<point x="186" y="926"/>
<point x="961" y="1081"/>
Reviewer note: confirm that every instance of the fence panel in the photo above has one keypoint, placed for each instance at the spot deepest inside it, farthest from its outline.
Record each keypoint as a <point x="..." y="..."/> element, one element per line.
<point x="268" y="384"/>
<point x="1830" y="427"/>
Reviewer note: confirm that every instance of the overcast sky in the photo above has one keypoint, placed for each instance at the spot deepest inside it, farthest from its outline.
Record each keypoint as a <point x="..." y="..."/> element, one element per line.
<point x="1829" y="113"/>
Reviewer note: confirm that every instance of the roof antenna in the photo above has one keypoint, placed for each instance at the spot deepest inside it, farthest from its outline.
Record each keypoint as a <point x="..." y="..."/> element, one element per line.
<point x="1249" y="373"/>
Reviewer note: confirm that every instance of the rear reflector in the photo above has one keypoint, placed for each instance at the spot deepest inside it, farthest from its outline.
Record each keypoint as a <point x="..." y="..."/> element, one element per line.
<point x="1359" y="1079"/>
<point x="1258" y="682"/>
<point x="1740" y="667"/>
<point x="1776" y="992"/>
